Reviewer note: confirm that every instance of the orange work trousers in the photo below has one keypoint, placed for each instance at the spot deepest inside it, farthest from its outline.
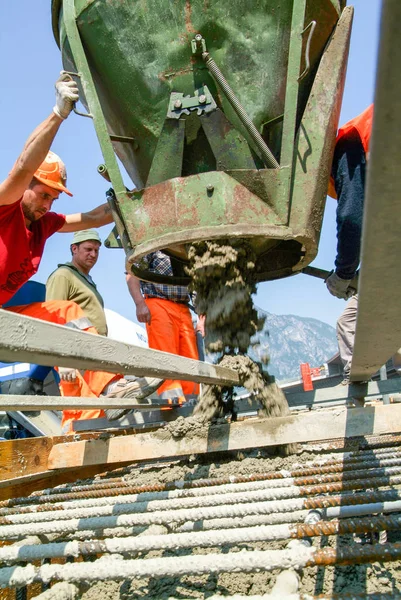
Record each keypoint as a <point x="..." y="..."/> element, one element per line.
<point x="93" y="382"/>
<point x="171" y="330"/>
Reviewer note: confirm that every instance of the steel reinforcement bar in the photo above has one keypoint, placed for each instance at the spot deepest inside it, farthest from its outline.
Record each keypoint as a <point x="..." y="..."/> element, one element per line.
<point x="268" y="560"/>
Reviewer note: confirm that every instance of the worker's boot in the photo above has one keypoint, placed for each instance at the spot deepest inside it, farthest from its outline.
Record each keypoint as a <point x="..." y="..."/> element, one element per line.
<point x="138" y="388"/>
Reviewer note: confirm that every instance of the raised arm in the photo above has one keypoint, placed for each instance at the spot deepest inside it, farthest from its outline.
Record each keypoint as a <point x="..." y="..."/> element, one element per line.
<point x="101" y="215"/>
<point x="39" y="142"/>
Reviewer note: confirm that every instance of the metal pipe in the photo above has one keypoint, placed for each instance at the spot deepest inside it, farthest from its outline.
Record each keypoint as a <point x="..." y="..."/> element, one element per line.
<point x="267" y="155"/>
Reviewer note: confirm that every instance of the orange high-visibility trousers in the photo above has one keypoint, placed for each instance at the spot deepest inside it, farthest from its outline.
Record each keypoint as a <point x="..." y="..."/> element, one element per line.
<point x="93" y="382"/>
<point x="171" y="330"/>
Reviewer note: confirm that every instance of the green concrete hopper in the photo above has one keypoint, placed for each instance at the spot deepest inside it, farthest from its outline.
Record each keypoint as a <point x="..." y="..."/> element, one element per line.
<point x="223" y="112"/>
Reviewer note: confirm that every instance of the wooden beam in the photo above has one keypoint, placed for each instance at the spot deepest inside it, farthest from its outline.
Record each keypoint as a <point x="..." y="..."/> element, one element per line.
<point x="30" y="455"/>
<point x="26" y="339"/>
<point x="304" y="427"/>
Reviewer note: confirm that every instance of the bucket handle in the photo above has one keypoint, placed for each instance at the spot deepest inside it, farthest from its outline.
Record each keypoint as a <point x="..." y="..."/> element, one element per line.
<point x="77" y="112"/>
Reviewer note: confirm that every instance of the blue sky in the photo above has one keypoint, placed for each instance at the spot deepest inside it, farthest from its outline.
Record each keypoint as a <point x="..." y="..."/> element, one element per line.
<point x="30" y="64"/>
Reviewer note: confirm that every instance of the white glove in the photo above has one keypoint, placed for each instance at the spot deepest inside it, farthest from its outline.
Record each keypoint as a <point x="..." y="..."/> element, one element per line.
<point x="67" y="374"/>
<point x="66" y="95"/>
<point x="339" y="287"/>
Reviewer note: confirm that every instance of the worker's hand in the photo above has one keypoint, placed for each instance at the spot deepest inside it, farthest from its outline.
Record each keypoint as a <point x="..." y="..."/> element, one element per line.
<point x="143" y="313"/>
<point x="200" y="326"/>
<point x="67" y="374"/>
<point x="339" y="287"/>
<point x="66" y="95"/>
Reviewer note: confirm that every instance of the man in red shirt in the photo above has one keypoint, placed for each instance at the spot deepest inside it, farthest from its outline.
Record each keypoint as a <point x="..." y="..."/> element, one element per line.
<point x="26" y="222"/>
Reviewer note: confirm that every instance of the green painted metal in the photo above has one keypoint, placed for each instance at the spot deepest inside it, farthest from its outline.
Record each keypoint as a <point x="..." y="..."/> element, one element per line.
<point x="200" y="176"/>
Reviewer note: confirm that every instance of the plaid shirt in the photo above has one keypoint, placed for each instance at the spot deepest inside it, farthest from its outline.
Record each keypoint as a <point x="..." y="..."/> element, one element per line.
<point x="158" y="262"/>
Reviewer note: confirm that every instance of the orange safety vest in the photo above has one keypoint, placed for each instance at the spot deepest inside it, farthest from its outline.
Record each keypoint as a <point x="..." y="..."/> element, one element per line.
<point x="363" y="124"/>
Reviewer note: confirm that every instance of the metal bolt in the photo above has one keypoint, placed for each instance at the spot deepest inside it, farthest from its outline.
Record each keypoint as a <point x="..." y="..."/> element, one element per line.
<point x="210" y="188"/>
<point x="177" y="104"/>
<point x="202" y="99"/>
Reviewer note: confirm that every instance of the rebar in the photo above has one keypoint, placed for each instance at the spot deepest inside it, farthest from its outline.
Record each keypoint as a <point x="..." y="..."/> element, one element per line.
<point x="116" y="569"/>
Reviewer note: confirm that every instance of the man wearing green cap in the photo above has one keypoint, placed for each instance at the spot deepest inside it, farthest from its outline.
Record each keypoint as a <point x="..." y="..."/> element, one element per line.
<point x="72" y="280"/>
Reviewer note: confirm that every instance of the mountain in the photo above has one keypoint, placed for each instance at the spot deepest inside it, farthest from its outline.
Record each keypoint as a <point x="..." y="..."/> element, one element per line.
<point x="290" y="341"/>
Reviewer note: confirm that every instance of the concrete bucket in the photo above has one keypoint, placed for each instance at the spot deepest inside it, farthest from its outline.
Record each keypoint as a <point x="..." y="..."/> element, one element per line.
<point x="223" y="113"/>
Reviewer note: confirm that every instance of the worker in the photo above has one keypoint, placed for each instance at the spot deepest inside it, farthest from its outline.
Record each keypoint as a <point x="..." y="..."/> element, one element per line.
<point x="72" y="281"/>
<point x="348" y="186"/>
<point x="26" y="222"/>
<point x="165" y="311"/>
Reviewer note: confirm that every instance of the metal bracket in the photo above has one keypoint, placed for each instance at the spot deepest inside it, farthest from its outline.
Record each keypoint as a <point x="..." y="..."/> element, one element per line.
<point x="113" y="239"/>
<point x="180" y="105"/>
<point x="198" y="44"/>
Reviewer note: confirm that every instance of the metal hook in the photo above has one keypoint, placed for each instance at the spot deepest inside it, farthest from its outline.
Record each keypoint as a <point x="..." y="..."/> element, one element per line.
<point x="312" y="26"/>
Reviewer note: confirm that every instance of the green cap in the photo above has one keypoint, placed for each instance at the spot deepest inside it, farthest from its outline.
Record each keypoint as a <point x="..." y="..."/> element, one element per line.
<point x="85" y="235"/>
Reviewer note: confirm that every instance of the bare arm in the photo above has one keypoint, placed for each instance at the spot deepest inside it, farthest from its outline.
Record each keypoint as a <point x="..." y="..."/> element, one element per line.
<point x="101" y="215"/>
<point x="142" y="311"/>
<point x="31" y="157"/>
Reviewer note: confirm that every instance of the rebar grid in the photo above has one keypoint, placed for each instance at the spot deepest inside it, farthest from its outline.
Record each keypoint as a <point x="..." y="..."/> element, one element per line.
<point x="119" y="486"/>
<point x="131" y="504"/>
<point x="202" y="539"/>
<point x="168" y="517"/>
<point x="101" y="499"/>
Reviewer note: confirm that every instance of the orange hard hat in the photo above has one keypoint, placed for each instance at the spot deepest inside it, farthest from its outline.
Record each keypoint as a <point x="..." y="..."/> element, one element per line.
<point x="52" y="172"/>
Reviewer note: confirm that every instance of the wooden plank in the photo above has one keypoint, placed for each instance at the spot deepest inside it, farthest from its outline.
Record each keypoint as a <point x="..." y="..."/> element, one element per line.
<point x="30" y="456"/>
<point x="304" y="427"/>
<point x="26" y="339"/>
<point x="378" y="329"/>
<point x="23" y="486"/>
